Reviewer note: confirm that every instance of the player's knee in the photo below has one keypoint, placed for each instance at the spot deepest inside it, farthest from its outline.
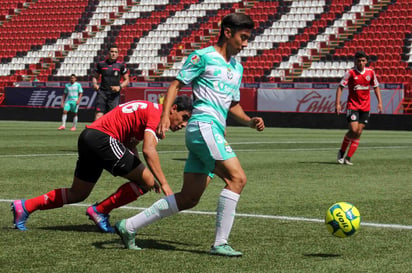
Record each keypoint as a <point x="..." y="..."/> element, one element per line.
<point x="240" y="180"/>
<point x="237" y="183"/>
<point x="187" y="202"/>
<point x="148" y="177"/>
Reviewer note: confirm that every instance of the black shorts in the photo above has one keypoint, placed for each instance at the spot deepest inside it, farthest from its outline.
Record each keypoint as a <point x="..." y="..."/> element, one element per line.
<point x="106" y="101"/>
<point x="357" y="116"/>
<point x="98" y="151"/>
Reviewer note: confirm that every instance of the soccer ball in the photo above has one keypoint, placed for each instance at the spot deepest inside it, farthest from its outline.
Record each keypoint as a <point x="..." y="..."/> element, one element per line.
<point x="342" y="219"/>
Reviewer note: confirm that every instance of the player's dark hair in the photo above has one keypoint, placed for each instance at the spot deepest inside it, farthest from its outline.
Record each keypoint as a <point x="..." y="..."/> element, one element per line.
<point x="73" y="75"/>
<point x="235" y="21"/>
<point x="360" y="54"/>
<point x="184" y="103"/>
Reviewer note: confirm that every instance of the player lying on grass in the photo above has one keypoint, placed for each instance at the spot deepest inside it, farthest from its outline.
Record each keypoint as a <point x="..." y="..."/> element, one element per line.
<point x="215" y="76"/>
<point x="110" y="143"/>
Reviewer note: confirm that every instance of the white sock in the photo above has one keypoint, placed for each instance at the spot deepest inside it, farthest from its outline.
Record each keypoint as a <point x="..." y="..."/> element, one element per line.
<point x="225" y="215"/>
<point x="75" y="121"/>
<point x="64" y="118"/>
<point x="162" y="208"/>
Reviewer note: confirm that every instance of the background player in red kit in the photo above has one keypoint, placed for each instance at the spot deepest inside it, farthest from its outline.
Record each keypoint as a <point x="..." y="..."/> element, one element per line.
<point x="110" y="143"/>
<point x="111" y="71"/>
<point x="358" y="79"/>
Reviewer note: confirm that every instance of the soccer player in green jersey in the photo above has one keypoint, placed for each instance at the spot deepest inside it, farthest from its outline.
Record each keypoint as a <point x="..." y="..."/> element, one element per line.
<point x="73" y="93"/>
<point x="215" y="76"/>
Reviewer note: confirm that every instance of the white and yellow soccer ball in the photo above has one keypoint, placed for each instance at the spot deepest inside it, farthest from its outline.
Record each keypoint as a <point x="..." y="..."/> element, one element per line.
<point x="342" y="219"/>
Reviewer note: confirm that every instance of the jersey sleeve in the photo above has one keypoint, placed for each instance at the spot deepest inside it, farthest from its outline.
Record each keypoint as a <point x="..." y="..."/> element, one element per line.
<point x="236" y="95"/>
<point x="123" y="69"/>
<point x="66" y="90"/>
<point x="192" y="68"/>
<point x="345" y="79"/>
<point x="80" y="88"/>
<point x="153" y="119"/>
<point x="97" y="69"/>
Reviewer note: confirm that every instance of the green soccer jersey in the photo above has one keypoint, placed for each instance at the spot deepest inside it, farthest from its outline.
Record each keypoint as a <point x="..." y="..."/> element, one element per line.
<point x="215" y="84"/>
<point x="73" y="91"/>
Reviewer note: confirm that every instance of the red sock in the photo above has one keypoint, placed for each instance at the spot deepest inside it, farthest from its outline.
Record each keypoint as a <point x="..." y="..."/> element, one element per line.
<point x="125" y="194"/>
<point x="345" y="144"/>
<point x="353" y="146"/>
<point x="51" y="200"/>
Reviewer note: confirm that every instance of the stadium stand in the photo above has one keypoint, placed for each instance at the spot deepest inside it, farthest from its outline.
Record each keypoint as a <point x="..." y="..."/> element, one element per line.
<point x="294" y="41"/>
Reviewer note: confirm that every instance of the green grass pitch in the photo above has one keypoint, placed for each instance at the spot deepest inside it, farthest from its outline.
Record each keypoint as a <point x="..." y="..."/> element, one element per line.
<point x="292" y="179"/>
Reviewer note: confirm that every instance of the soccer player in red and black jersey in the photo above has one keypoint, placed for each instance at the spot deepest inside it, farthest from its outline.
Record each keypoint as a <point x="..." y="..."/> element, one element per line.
<point x="358" y="79"/>
<point x="110" y="143"/>
<point x="111" y="71"/>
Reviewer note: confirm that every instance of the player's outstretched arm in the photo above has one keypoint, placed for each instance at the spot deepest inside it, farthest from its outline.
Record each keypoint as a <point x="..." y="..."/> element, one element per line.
<point x="152" y="159"/>
<point x="236" y="112"/>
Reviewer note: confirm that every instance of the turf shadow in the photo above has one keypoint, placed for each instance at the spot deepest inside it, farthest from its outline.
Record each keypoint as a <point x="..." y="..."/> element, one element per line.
<point x="152" y="244"/>
<point x="78" y="228"/>
<point x="321" y="255"/>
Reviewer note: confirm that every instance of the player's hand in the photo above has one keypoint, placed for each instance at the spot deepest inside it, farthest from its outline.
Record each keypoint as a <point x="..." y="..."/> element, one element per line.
<point x="156" y="187"/>
<point x="338" y="108"/>
<point x="115" y="88"/>
<point x="95" y="87"/>
<point x="380" y="109"/>
<point x="167" y="190"/>
<point x="257" y="123"/>
<point x="163" y="127"/>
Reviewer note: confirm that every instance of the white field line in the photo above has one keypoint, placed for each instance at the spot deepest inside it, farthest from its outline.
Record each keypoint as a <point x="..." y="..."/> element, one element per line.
<point x="236" y="150"/>
<point x="274" y="217"/>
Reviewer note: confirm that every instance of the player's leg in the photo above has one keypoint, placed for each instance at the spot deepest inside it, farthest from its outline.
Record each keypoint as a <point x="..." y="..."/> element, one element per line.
<point x="193" y="187"/>
<point x="232" y="173"/>
<point x="88" y="171"/>
<point x="141" y="179"/>
<point x="356" y="132"/>
<point x="75" y="110"/>
<point x="119" y="161"/>
<point x="196" y="179"/>
<point x="64" y="116"/>
<point x="352" y="117"/>
<point x="56" y="198"/>
<point x="100" y="106"/>
<point x="112" y="102"/>
<point x="341" y="153"/>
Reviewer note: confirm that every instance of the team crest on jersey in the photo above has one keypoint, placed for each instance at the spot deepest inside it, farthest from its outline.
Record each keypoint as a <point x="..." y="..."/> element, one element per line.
<point x="195" y="59"/>
<point x="353" y="117"/>
<point x="116" y="73"/>
<point x="368" y="78"/>
<point x="229" y="73"/>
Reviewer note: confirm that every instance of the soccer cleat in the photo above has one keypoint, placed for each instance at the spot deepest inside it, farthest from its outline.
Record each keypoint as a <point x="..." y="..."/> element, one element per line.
<point x="20" y="214"/>
<point x="128" y="238"/>
<point x="100" y="219"/>
<point x="348" y="162"/>
<point x="73" y="129"/>
<point x="225" y="250"/>
<point x="340" y="158"/>
<point x="61" y="128"/>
